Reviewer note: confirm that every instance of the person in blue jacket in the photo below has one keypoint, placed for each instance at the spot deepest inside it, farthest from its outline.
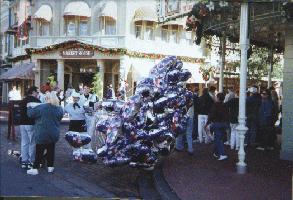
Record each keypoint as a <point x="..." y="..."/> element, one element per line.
<point x="47" y="126"/>
<point x="266" y="114"/>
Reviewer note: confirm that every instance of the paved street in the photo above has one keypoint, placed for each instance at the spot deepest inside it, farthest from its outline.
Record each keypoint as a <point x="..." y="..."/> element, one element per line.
<point x="70" y="179"/>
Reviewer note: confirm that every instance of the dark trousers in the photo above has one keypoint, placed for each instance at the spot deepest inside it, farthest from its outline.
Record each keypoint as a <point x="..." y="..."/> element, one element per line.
<point x="267" y="136"/>
<point x="40" y="148"/>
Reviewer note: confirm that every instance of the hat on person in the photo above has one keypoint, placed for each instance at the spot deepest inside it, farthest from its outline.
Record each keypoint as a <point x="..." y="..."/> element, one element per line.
<point x="75" y="94"/>
<point x="253" y="90"/>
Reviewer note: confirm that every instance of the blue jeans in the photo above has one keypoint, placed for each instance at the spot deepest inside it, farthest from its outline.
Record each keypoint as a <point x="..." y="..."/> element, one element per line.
<point x="28" y="143"/>
<point x="219" y="130"/>
<point x="188" y="133"/>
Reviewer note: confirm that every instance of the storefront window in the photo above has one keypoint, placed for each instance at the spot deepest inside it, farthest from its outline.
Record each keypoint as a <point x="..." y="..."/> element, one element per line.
<point x="138" y="30"/>
<point x="71" y="28"/>
<point x="149" y="31"/>
<point x="44" y="28"/>
<point x="165" y="33"/>
<point x="107" y="25"/>
<point x="83" y="28"/>
<point x="174" y="34"/>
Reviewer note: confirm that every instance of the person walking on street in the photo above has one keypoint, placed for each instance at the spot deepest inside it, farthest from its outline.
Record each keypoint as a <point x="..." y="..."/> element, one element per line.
<point x="205" y="103"/>
<point x="218" y="124"/>
<point x="27" y="131"/>
<point x="266" y="113"/>
<point x="47" y="125"/>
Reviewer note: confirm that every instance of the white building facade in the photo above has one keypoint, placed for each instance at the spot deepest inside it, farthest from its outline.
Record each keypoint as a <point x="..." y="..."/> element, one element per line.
<point x="121" y="39"/>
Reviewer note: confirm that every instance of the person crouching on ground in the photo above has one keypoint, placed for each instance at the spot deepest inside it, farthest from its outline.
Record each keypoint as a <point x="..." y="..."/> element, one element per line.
<point x="28" y="144"/>
<point x="219" y="124"/>
<point x="76" y="114"/>
<point x="47" y="125"/>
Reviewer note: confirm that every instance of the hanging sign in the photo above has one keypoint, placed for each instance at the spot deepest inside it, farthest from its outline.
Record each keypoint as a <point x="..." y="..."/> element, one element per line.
<point x="76" y="53"/>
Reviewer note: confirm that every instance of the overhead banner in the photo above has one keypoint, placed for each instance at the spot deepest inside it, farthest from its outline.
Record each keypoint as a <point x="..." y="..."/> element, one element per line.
<point x="172" y="8"/>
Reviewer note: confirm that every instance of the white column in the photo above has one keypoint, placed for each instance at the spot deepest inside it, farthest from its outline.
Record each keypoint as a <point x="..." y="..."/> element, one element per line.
<point x="60" y="73"/>
<point x="38" y="73"/>
<point x="241" y="128"/>
<point x="101" y="67"/>
<point x="124" y="67"/>
<point x="222" y="66"/>
<point x="270" y="67"/>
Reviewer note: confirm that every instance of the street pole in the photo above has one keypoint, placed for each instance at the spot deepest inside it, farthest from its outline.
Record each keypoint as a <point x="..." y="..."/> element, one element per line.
<point x="222" y="66"/>
<point x="271" y="54"/>
<point x="241" y="128"/>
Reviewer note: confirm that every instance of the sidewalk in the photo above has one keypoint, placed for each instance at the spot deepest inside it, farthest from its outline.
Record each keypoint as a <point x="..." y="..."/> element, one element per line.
<point x="202" y="177"/>
<point x="70" y="179"/>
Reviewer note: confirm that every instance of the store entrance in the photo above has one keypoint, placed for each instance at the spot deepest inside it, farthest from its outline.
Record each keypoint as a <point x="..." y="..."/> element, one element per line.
<point x="81" y="72"/>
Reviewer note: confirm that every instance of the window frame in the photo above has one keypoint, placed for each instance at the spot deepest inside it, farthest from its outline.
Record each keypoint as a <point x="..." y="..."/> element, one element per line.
<point x="77" y="21"/>
<point x="103" y="25"/>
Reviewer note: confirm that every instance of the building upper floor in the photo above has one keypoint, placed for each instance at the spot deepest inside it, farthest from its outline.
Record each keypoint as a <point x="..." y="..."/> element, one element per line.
<point x="131" y="24"/>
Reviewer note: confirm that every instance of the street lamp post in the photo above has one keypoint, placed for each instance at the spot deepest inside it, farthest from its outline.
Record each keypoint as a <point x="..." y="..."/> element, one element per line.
<point x="244" y="45"/>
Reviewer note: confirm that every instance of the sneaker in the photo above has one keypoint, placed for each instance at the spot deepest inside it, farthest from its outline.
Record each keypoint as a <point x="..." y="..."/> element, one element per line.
<point x="215" y="155"/>
<point x="24" y="165"/>
<point x="50" y="169"/>
<point x="260" y="148"/>
<point x="32" y="171"/>
<point x="227" y="143"/>
<point x="222" y="157"/>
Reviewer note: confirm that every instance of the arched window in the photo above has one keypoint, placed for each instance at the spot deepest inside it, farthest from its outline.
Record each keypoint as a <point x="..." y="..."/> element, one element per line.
<point x="43" y="18"/>
<point x="145" y="19"/>
<point x="107" y="25"/>
<point x="107" y="17"/>
<point x="76" y="17"/>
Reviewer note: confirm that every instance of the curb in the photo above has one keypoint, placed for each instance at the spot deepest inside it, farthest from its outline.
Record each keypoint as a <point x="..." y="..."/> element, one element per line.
<point x="162" y="186"/>
<point x="146" y="186"/>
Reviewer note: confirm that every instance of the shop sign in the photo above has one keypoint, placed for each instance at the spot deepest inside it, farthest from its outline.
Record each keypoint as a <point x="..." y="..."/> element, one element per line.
<point x="76" y="52"/>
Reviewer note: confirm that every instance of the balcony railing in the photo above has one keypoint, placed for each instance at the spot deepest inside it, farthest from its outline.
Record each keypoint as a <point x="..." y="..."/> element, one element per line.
<point x="110" y="41"/>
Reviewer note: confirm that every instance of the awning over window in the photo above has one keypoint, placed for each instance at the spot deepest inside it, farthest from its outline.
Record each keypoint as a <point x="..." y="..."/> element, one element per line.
<point x="108" y="9"/>
<point x="21" y="71"/>
<point x="44" y="12"/>
<point x="145" y="14"/>
<point x="77" y="8"/>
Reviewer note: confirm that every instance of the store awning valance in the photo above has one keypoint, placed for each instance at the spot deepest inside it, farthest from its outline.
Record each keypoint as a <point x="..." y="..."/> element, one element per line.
<point x="178" y="21"/>
<point x="77" y="8"/>
<point x="145" y="14"/>
<point x="21" y="71"/>
<point x="108" y="9"/>
<point x="44" y="12"/>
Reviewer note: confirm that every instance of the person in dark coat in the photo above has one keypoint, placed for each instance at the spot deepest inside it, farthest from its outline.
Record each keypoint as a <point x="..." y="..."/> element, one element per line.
<point x="233" y="109"/>
<point x="219" y="123"/>
<point x="47" y="117"/>
<point x="205" y="103"/>
<point x="266" y="114"/>
<point x="252" y="108"/>
<point x="28" y="144"/>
